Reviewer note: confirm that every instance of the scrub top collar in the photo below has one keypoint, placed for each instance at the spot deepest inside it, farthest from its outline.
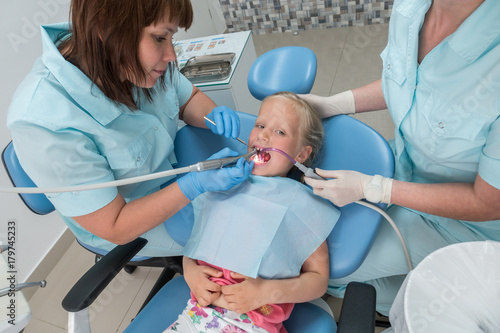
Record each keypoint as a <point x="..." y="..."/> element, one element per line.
<point x="74" y="81"/>
<point x="472" y="38"/>
<point x="409" y="8"/>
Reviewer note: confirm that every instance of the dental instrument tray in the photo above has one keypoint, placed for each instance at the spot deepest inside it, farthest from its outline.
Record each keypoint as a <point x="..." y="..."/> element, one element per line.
<point x="205" y="68"/>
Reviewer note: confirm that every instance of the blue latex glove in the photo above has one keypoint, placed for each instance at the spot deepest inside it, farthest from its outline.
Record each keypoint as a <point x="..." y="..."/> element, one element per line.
<point x="195" y="183"/>
<point x="228" y="122"/>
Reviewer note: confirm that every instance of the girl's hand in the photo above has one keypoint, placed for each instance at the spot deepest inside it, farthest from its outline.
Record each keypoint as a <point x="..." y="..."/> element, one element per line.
<point x="245" y="296"/>
<point x="197" y="278"/>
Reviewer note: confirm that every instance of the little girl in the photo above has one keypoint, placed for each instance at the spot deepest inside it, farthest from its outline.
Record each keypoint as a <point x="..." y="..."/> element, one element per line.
<point x="270" y="230"/>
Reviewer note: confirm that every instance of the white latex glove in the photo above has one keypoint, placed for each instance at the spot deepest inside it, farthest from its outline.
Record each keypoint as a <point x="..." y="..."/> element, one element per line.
<point x="342" y="103"/>
<point x="343" y="187"/>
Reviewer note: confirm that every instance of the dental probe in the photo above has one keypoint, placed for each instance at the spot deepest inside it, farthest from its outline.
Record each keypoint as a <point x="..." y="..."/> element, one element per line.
<point x="200" y="166"/>
<point x="213" y="123"/>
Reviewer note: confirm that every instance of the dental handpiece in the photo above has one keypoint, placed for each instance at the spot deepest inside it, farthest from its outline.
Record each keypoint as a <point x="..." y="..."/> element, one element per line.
<point x="220" y="162"/>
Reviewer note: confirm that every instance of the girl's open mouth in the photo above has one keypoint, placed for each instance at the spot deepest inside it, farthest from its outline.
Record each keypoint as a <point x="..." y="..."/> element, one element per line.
<point x="261" y="157"/>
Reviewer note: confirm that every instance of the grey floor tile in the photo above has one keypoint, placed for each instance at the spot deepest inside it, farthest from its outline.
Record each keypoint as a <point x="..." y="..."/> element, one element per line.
<point x="357" y="68"/>
<point x="39" y="326"/>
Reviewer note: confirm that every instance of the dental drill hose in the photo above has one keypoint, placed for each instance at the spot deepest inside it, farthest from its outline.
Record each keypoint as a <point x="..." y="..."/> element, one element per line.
<point x="200" y="166"/>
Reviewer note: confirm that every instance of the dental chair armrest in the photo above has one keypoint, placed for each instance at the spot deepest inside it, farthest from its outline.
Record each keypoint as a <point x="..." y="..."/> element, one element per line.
<point x="93" y="282"/>
<point x="358" y="309"/>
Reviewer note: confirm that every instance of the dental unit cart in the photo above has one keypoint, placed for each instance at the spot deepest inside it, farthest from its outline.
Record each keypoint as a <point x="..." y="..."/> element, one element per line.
<point x="231" y="91"/>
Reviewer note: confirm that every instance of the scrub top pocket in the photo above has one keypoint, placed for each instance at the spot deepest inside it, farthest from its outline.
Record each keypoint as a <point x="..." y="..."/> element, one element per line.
<point x="124" y="161"/>
<point x="393" y="64"/>
<point x="457" y="135"/>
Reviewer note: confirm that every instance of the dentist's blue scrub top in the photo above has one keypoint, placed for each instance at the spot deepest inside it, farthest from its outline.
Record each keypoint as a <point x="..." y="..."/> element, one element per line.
<point x="446" y="109"/>
<point x="67" y="132"/>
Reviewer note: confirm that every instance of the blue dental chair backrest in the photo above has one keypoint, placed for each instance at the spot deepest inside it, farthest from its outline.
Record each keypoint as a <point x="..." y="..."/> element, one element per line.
<point x="37" y="203"/>
<point x="289" y="68"/>
<point x="351" y="145"/>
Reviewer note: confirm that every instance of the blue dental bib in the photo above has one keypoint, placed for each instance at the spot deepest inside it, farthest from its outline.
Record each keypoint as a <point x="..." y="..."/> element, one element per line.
<point x="266" y="226"/>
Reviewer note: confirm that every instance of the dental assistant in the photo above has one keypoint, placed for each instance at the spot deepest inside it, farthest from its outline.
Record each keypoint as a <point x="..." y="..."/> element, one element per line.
<point x="103" y="103"/>
<point x="441" y="84"/>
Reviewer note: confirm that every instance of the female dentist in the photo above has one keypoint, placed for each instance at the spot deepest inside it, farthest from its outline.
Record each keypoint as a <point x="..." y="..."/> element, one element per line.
<point x="441" y="84"/>
<point x="103" y="103"/>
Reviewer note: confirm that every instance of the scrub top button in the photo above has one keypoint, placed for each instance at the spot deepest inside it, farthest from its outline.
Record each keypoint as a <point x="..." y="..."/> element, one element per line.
<point x="155" y="128"/>
<point x="138" y="159"/>
<point x="441" y="125"/>
<point x="388" y="67"/>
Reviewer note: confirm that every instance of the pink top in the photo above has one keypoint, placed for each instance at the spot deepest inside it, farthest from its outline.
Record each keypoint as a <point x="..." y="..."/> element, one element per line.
<point x="270" y="316"/>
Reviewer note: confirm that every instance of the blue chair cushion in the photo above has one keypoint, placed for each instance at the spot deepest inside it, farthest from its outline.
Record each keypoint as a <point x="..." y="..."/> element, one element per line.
<point x="169" y="302"/>
<point x="289" y="68"/>
<point x="38" y="203"/>
<point x="351" y="145"/>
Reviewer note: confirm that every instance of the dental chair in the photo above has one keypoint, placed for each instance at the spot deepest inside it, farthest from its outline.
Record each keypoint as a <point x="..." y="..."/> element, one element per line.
<point x="288" y="68"/>
<point x="349" y="241"/>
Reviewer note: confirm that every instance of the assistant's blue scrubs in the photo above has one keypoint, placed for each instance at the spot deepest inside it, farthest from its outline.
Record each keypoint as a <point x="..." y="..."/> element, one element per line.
<point x="67" y="132"/>
<point x="446" y="111"/>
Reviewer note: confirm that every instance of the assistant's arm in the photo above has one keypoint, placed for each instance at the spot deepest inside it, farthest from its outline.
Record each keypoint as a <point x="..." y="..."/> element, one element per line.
<point x="369" y="97"/>
<point x="478" y="201"/>
<point x="363" y="99"/>
<point x="254" y="293"/>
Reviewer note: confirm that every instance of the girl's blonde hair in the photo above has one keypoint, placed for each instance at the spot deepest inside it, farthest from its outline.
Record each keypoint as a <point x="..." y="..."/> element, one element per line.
<point x="310" y="128"/>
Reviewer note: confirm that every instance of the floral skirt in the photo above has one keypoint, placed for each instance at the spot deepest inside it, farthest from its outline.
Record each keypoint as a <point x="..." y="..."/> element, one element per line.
<point x="209" y="319"/>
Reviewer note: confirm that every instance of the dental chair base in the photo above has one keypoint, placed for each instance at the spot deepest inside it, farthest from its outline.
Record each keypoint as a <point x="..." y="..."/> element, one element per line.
<point x="164" y="308"/>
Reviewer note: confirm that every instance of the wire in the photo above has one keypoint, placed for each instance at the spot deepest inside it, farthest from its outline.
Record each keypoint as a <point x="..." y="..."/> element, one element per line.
<point x="87" y="187"/>
<point x="200" y="166"/>
<point x="394" y="226"/>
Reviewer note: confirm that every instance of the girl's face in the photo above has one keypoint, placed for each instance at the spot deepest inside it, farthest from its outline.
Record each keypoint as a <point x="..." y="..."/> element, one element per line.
<point x="156" y="51"/>
<point x="277" y="126"/>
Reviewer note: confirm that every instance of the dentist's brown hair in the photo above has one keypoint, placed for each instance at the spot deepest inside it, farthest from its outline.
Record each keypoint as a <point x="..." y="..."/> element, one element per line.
<point x="105" y="36"/>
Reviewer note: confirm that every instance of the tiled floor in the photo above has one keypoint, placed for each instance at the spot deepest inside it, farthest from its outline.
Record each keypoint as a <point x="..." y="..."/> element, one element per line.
<point x="347" y="58"/>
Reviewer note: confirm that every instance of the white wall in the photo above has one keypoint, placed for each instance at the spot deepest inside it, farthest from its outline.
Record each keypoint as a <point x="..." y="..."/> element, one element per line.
<point x="20" y="46"/>
<point x="208" y="20"/>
